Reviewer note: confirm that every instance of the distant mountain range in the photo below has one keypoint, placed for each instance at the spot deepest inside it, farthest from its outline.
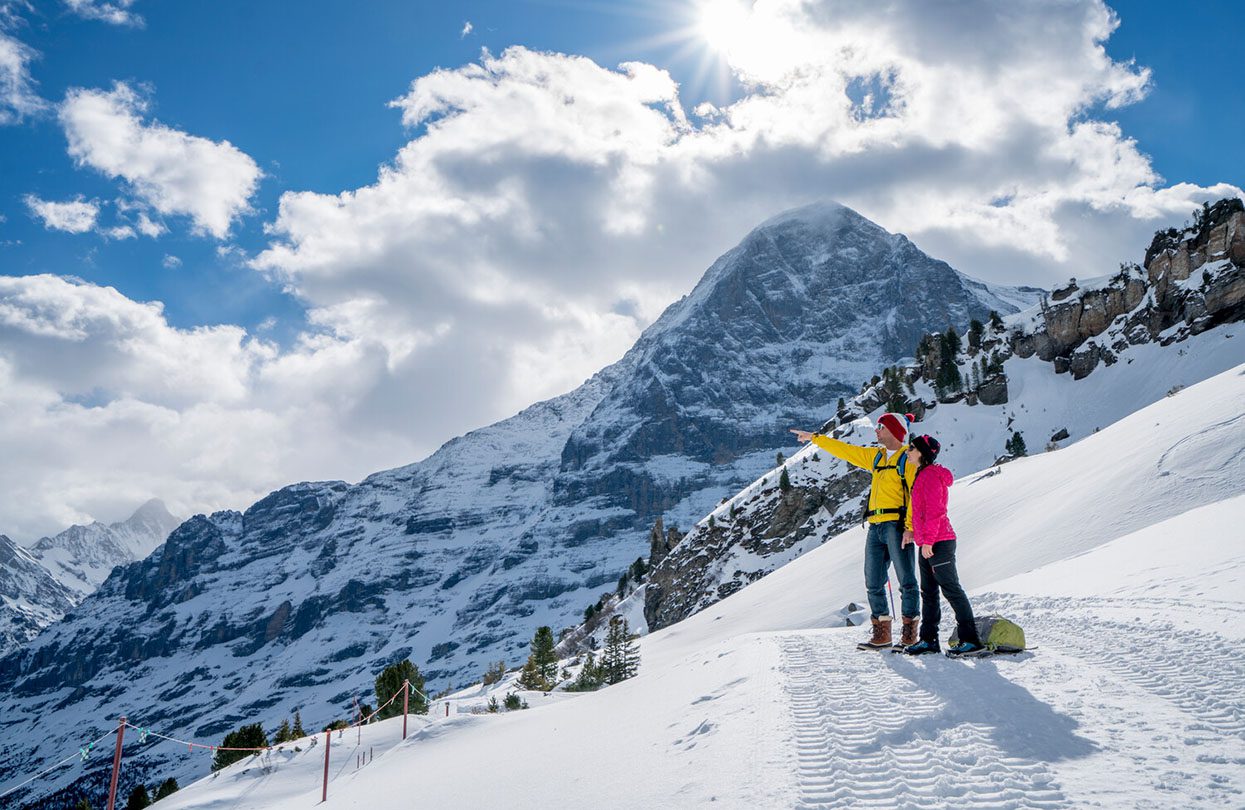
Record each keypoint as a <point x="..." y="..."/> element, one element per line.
<point x="453" y="561"/>
<point x="42" y="582"/>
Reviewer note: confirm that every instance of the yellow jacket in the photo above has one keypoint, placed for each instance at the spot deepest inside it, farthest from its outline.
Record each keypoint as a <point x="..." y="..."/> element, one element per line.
<point x="886" y="491"/>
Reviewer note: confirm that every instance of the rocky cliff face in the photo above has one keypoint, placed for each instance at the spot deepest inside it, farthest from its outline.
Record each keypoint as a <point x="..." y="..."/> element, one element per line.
<point x="453" y="561"/>
<point x="1192" y="284"/>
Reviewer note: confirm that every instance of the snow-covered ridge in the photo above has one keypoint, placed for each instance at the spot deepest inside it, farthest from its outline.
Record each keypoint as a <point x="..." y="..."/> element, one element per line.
<point x="1083" y="358"/>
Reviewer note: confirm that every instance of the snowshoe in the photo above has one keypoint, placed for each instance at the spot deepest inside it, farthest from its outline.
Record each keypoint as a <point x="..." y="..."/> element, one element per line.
<point x="920" y="648"/>
<point x="967" y="649"/>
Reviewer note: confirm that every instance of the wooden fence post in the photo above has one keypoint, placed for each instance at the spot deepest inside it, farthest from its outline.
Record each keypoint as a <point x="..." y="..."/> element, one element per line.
<point x="406" y="699"/>
<point x="328" y="740"/>
<point x="116" y="765"/>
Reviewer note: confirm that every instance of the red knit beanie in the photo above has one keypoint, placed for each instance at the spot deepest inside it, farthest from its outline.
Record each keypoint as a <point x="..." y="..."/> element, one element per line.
<point x="897" y="424"/>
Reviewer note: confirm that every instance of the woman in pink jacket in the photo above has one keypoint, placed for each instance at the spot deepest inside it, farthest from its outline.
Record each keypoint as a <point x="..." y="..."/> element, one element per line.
<point x="931" y="529"/>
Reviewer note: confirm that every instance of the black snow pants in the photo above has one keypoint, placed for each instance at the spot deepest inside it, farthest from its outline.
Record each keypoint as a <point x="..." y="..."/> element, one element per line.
<point x="939" y="572"/>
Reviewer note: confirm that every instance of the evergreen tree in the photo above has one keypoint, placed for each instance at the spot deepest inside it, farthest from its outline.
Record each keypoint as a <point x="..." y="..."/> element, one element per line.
<point x="638" y="569"/>
<point x="248" y="736"/>
<point x="996" y="322"/>
<point x="543" y="654"/>
<point x="842" y="403"/>
<point x="621" y="658"/>
<point x="283" y="733"/>
<point x="167" y="788"/>
<point x="298" y="730"/>
<point x="996" y="363"/>
<point x="138" y="798"/>
<point x="497" y="671"/>
<point x="530" y="677"/>
<point x="948" y="377"/>
<point x="779" y="459"/>
<point x="83" y="804"/>
<point x="985" y="367"/>
<point x="492" y="705"/>
<point x="512" y="702"/>
<point x="953" y="340"/>
<point x="589" y="677"/>
<point x="784" y="481"/>
<point x="589" y="612"/>
<point x="365" y="711"/>
<point x="712" y="522"/>
<point x="975" y="330"/>
<point x="390" y="681"/>
<point x="1016" y="446"/>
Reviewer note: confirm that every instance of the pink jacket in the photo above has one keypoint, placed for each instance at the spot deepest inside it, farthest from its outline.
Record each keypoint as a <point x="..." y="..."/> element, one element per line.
<point x="929" y="505"/>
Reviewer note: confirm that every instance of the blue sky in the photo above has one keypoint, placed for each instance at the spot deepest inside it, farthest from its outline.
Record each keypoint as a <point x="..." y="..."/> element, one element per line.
<point x="306" y="96"/>
<point x="537" y="207"/>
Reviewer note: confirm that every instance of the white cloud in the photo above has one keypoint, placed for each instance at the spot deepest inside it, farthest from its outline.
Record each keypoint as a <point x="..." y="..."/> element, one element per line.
<point x="170" y="262"/>
<point x="116" y="13"/>
<point x="540" y="190"/>
<point x="148" y="227"/>
<point x="73" y="216"/>
<point x="17" y="95"/>
<point x="467" y="29"/>
<point x="106" y="404"/>
<point x="170" y="171"/>
<point x="546" y="209"/>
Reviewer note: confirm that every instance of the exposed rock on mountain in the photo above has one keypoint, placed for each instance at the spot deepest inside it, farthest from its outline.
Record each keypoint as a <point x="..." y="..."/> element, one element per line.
<point x="454" y="560"/>
<point x="30" y="597"/>
<point x="1029" y="373"/>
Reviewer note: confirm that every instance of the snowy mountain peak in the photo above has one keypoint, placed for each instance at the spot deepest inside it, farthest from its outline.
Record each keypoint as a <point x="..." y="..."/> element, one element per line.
<point x="82" y="556"/>
<point x="822" y="215"/>
<point x="454" y="561"/>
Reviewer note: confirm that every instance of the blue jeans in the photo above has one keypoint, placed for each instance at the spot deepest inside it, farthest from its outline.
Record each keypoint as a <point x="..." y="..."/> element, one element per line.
<point x="882" y="547"/>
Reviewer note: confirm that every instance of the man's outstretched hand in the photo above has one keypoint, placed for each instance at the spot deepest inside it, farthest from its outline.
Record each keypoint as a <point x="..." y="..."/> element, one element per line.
<point x="802" y="435"/>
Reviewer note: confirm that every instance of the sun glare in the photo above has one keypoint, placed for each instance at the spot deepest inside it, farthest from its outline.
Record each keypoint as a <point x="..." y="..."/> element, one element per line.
<point x="723" y="23"/>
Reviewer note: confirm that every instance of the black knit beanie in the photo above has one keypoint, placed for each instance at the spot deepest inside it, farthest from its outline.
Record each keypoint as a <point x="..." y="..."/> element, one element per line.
<point x="928" y="446"/>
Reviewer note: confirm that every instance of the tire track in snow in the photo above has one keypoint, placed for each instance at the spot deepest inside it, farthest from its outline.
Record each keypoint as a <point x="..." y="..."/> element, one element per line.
<point x="866" y="737"/>
<point x="1199" y="672"/>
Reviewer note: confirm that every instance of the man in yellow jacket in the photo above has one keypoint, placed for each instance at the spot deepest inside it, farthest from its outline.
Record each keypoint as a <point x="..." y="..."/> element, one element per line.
<point x="890" y="523"/>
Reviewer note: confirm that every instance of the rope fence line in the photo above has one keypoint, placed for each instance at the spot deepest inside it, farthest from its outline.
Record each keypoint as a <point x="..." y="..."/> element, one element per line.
<point x="81" y="753"/>
<point x="145" y="732"/>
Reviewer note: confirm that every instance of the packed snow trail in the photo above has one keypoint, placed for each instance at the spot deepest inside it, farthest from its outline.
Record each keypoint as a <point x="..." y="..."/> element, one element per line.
<point x="875" y="729"/>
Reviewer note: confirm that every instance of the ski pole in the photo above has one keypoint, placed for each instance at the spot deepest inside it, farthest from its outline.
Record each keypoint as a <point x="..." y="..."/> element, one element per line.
<point x="892" y="595"/>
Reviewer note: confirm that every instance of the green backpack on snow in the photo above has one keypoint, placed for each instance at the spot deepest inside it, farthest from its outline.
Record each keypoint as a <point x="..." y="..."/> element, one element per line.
<point x="997" y="634"/>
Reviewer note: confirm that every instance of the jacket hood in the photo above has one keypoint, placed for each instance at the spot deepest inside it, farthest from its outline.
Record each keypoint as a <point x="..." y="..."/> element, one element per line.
<point x="943" y="474"/>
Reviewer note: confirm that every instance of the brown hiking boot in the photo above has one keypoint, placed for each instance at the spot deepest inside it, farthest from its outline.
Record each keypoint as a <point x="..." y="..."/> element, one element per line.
<point x="909" y="635"/>
<point x="881" y="637"/>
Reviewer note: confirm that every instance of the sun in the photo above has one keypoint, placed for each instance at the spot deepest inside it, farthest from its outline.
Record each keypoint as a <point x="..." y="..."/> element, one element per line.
<point x="723" y="24"/>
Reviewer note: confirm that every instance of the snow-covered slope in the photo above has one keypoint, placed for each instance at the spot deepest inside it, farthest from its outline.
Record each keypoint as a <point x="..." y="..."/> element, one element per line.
<point x="454" y="561"/>
<point x="1117" y="554"/>
<point x="30" y="597"/>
